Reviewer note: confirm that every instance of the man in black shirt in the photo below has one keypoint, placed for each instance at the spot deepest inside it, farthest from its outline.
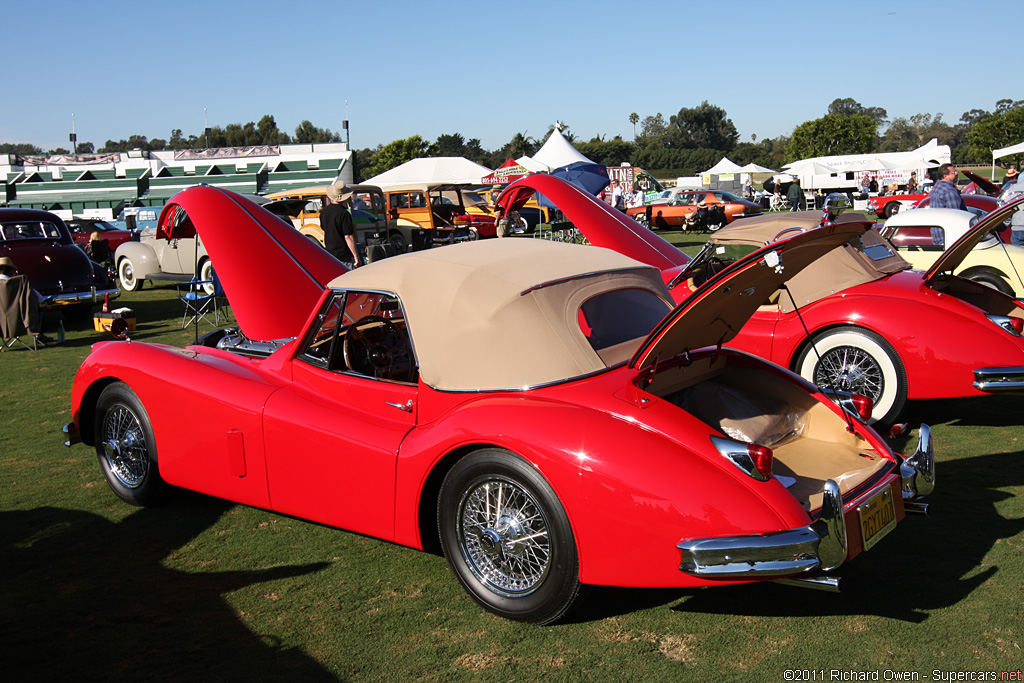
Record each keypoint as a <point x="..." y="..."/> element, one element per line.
<point x="336" y="222"/>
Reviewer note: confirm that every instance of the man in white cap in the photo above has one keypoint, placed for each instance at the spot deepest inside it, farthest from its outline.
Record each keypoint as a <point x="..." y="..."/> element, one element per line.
<point x="336" y="222"/>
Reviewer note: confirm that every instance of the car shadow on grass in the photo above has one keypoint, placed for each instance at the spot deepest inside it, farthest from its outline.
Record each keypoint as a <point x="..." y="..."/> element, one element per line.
<point x="90" y="599"/>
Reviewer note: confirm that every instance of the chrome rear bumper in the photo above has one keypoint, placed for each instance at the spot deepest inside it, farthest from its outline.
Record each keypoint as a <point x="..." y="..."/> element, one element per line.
<point x="93" y="295"/>
<point x="994" y="380"/>
<point x="818" y="547"/>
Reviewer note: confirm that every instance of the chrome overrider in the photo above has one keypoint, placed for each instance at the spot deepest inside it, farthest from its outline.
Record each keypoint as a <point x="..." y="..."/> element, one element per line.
<point x="993" y="380"/>
<point x="818" y="547"/>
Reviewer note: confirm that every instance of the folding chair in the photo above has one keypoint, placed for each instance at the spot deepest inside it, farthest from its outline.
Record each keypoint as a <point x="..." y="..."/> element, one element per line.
<point x="19" y="313"/>
<point x="199" y="303"/>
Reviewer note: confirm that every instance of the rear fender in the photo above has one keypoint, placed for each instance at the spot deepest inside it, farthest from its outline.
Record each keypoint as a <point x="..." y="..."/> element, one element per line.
<point x="630" y="493"/>
<point x="143" y="257"/>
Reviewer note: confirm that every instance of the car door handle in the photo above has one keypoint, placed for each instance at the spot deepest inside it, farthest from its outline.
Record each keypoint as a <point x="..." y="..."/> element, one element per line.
<point x="407" y="406"/>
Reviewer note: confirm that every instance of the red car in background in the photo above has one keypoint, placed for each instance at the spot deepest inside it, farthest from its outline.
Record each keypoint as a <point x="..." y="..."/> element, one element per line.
<point x="858" y="319"/>
<point x="82" y="228"/>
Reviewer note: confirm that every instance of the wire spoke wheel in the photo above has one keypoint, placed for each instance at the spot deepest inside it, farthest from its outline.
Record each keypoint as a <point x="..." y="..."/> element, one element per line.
<point x="124" y="446"/>
<point x="849" y="368"/>
<point x="504" y="537"/>
<point x="858" y="361"/>
<point x="507" y="538"/>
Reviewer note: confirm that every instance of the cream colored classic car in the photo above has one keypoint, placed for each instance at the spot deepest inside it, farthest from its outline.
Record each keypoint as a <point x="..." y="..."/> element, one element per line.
<point x="922" y="235"/>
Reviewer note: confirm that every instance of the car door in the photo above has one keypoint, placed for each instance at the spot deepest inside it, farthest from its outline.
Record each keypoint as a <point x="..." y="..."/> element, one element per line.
<point x="334" y="432"/>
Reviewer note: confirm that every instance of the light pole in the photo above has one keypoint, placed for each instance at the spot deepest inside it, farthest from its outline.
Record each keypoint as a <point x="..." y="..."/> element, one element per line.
<point x="73" y="138"/>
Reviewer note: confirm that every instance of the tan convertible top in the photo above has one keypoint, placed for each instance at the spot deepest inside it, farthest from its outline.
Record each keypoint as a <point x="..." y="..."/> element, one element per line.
<point x="840" y="269"/>
<point x="502" y="314"/>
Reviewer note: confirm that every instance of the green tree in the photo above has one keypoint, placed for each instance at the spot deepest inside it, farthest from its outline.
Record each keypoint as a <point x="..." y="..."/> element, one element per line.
<point x="19" y="148"/>
<point x="634" y="118"/>
<point x="705" y="125"/>
<point x="847" y="106"/>
<point x="832" y="134"/>
<point x="398" y="152"/>
<point x="306" y="133"/>
<point x="1003" y="128"/>
<point x="268" y="134"/>
<point x="653" y="132"/>
<point x="449" y="145"/>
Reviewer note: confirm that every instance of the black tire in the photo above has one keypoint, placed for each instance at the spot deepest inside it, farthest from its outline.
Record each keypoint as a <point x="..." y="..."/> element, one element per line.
<point x="397" y="242"/>
<point x="125" y="446"/>
<point x="522" y="563"/>
<point x="891" y="208"/>
<point x="126" y="274"/>
<point x="857" y="360"/>
<point x="990" y="279"/>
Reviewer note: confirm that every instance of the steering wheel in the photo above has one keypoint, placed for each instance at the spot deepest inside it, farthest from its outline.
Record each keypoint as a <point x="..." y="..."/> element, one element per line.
<point x="375" y="346"/>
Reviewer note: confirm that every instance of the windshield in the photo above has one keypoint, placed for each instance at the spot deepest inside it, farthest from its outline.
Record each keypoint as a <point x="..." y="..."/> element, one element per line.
<point x="27" y="230"/>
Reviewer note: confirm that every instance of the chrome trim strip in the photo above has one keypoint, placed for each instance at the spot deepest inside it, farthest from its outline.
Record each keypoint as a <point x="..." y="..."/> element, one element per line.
<point x="999" y="379"/>
<point x="71" y="436"/>
<point x="819" y="582"/>
<point x="820" y="545"/>
<point x="918" y="471"/>
<point x="580" y="276"/>
<point x="93" y="295"/>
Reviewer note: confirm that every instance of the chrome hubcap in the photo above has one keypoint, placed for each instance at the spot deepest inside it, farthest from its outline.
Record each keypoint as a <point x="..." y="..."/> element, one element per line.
<point x="504" y="538"/>
<point x="848" y="368"/>
<point x="124" y="447"/>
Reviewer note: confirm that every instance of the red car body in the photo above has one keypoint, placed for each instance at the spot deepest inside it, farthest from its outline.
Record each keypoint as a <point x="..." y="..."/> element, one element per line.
<point x="82" y="228"/>
<point x="905" y="316"/>
<point x="414" y="425"/>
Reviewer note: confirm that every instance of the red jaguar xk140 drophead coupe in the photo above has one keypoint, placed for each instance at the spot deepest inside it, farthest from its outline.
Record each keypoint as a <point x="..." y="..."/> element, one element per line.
<point x="396" y="401"/>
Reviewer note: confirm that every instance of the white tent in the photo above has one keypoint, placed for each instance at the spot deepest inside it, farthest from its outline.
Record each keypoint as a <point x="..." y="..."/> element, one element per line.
<point x="531" y="164"/>
<point x="557" y="152"/>
<point x="1005" y="152"/>
<point x="432" y="170"/>
<point x="723" y="166"/>
<point x="755" y="168"/>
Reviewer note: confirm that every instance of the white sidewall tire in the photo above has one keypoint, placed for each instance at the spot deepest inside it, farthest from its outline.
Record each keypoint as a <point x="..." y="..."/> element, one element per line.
<point x="894" y="388"/>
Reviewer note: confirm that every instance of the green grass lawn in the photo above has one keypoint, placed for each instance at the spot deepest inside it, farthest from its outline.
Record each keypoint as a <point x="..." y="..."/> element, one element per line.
<point x="204" y="590"/>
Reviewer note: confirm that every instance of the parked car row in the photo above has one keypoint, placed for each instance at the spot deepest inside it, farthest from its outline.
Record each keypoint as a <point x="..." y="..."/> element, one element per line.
<point x="717" y="414"/>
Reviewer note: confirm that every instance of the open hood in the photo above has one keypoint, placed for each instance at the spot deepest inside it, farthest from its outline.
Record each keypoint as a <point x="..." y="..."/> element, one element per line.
<point x="272" y="274"/>
<point x="986" y="185"/>
<point x="718" y="309"/>
<point x="951" y="259"/>
<point x="602" y="225"/>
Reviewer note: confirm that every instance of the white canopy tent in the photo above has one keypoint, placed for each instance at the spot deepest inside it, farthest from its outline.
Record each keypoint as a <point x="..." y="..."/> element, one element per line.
<point x="754" y="168"/>
<point x="432" y="170"/>
<point x="1005" y="152"/>
<point x="723" y="166"/>
<point x="556" y="152"/>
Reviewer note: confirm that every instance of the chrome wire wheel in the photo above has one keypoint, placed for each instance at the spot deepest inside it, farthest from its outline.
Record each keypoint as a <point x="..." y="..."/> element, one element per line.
<point x="124" y="446"/>
<point x="859" y="361"/>
<point x="503" y="536"/>
<point x="848" y="368"/>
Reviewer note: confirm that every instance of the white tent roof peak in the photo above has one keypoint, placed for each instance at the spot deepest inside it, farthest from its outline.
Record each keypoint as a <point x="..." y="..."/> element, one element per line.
<point x="430" y="170"/>
<point x="723" y="166"/>
<point x="558" y="152"/>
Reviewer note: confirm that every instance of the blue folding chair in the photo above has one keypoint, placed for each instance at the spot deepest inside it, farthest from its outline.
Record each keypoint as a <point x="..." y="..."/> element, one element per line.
<point x="199" y="302"/>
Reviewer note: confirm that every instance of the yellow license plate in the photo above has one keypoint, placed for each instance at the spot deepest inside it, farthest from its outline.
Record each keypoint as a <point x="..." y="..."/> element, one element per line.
<point x="877" y="517"/>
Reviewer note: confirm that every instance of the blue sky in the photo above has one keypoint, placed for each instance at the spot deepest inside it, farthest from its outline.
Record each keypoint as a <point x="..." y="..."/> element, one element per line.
<point x="488" y="70"/>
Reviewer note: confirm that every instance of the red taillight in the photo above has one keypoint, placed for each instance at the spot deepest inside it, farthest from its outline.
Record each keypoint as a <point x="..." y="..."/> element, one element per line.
<point x="864" y="406"/>
<point x="1017" y="324"/>
<point x="762" y="458"/>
